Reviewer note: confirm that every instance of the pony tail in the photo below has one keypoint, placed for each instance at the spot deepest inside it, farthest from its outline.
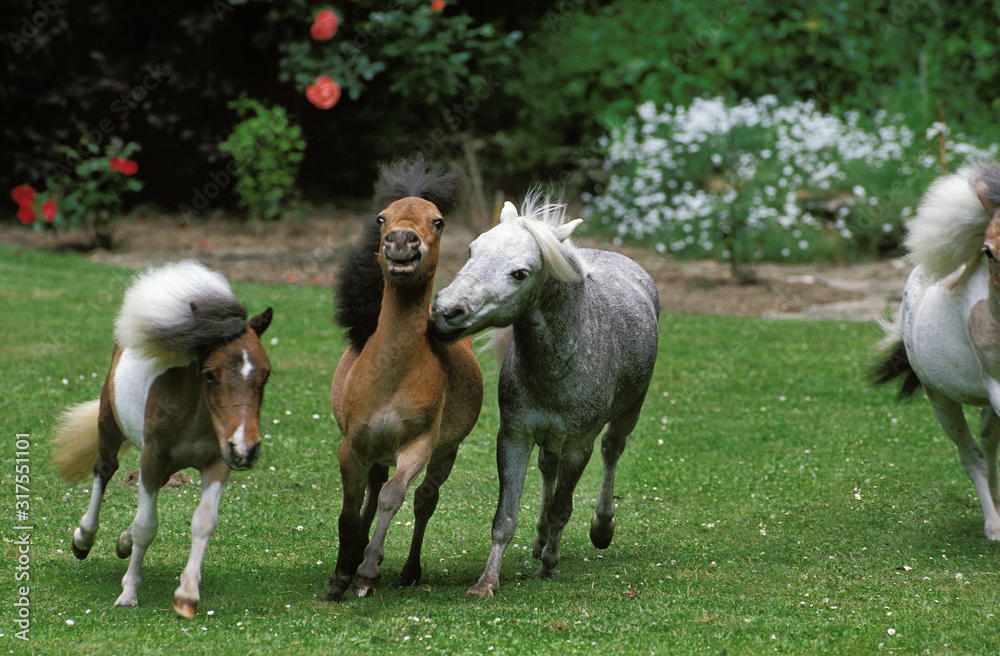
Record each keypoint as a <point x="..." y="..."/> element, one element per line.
<point x="178" y="311"/>
<point x="359" y="288"/>
<point x="950" y="222"/>
<point x="75" y="445"/>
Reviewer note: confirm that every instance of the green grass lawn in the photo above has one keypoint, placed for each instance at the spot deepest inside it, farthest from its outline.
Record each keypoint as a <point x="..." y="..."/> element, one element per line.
<point x="769" y="501"/>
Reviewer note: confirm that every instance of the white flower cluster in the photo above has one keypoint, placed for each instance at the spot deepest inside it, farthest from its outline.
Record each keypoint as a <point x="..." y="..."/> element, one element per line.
<point x="781" y="182"/>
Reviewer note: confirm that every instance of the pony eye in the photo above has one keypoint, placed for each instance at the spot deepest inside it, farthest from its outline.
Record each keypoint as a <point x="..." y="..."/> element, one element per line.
<point x="438" y="224"/>
<point x="380" y="220"/>
<point x="520" y="274"/>
<point x="990" y="255"/>
<point x="209" y="376"/>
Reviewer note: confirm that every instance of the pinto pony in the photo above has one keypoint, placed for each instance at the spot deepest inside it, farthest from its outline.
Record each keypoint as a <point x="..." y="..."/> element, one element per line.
<point x="947" y="337"/>
<point x="185" y="387"/>
<point x="582" y="345"/>
<point x="401" y="397"/>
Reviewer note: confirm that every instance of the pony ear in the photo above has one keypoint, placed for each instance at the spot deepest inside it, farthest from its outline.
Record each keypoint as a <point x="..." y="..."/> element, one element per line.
<point x="508" y="212"/>
<point x="983" y="192"/>
<point x="260" y="322"/>
<point x="565" y="230"/>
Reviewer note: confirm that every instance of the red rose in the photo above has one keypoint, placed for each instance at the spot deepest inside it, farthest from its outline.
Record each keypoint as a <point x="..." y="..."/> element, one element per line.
<point x="49" y="210"/>
<point x="324" y="26"/>
<point x="437" y="5"/>
<point x="324" y="92"/>
<point x="23" y="194"/>
<point x="124" y="166"/>
<point x="26" y="214"/>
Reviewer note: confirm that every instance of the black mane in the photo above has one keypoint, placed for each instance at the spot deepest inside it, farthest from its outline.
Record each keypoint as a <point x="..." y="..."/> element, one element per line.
<point x="359" y="281"/>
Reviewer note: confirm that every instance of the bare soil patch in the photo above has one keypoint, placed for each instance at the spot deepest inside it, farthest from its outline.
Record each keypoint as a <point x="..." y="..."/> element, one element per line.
<point x="309" y="250"/>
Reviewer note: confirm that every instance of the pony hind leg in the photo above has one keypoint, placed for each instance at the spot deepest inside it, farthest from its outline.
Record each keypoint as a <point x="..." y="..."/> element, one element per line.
<point x="602" y="525"/>
<point x="571" y="468"/>
<point x="110" y="443"/>
<point x="377" y="476"/>
<point x="213" y="482"/>
<point x="548" y="465"/>
<point x="949" y="414"/>
<point x="425" y="500"/>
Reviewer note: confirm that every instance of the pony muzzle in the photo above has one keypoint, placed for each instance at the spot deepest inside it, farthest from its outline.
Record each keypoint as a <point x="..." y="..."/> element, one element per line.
<point x="449" y="322"/>
<point x="403" y="250"/>
<point x="239" y="452"/>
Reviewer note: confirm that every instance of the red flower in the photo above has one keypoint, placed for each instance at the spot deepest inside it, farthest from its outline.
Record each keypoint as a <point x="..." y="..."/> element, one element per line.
<point x="26" y="214"/>
<point x="324" y="92"/>
<point x="49" y="210"/>
<point x="123" y="166"/>
<point x="23" y="194"/>
<point x="438" y="5"/>
<point x="324" y="26"/>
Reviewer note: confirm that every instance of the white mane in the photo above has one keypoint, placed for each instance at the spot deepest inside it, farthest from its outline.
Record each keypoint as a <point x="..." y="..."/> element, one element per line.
<point x="950" y="224"/>
<point x="159" y="302"/>
<point x="541" y="217"/>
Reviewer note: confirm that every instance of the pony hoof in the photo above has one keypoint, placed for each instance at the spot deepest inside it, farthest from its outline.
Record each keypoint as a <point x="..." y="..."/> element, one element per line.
<point x="546" y="572"/>
<point x="480" y="592"/>
<point x="185" y="608"/>
<point x="365" y="591"/>
<point x="410" y="578"/>
<point x="78" y="552"/>
<point x="334" y="595"/>
<point x="601" y="534"/>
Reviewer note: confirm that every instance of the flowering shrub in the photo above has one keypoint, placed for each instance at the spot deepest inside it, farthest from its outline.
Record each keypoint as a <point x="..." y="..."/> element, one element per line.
<point x="432" y="56"/>
<point x="268" y="150"/>
<point x="86" y="197"/>
<point x="762" y="181"/>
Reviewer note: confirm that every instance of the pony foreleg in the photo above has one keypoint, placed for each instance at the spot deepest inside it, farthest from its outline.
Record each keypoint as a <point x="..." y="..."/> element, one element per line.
<point x="990" y="439"/>
<point x="949" y="414"/>
<point x="571" y="467"/>
<point x="351" y="536"/>
<point x="512" y="465"/>
<point x="409" y="465"/>
<point x="213" y="482"/>
<point x="425" y="500"/>
<point x="135" y="540"/>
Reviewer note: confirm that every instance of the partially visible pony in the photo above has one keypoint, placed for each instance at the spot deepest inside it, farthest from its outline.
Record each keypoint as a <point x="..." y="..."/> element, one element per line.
<point x="947" y="337"/>
<point x="185" y="387"/>
<point x="578" y="356"/>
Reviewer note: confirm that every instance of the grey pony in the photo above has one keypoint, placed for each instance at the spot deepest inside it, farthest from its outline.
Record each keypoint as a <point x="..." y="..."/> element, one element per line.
<point x="579" y="356"/>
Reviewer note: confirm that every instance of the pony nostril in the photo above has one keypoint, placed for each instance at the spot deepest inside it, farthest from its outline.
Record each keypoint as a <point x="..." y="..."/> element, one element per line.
<point x="456" y="312"/>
